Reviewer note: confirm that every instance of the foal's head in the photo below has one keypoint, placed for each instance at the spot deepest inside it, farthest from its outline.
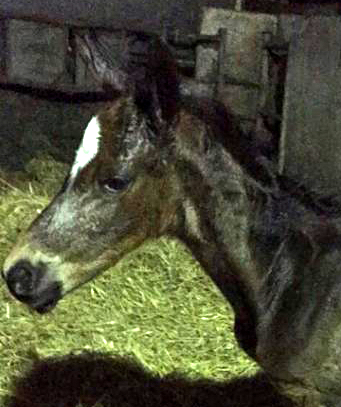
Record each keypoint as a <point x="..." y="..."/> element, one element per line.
<point x="119" y="191"/>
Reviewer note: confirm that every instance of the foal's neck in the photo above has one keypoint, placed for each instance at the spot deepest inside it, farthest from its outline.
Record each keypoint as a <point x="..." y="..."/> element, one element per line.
<point x="217" y="215"/>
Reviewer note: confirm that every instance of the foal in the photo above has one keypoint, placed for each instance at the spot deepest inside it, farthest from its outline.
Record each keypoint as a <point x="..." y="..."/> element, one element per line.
<point x="153" y="163"/>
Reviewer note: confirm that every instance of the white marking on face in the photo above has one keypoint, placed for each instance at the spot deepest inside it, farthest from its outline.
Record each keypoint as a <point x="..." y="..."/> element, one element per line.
<point x="88" y="148"/>
<point x="73" y="210"/>
<point x="64" y="216"/>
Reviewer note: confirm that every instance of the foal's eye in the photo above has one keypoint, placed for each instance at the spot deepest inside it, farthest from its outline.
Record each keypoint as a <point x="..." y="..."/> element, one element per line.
<point x="114" y="184"/>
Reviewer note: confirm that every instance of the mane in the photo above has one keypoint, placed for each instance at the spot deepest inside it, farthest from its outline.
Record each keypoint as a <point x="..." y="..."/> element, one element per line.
<point x="226" y="130"/>
<point x="283" y="206"/>
<point x="243" y="148"/>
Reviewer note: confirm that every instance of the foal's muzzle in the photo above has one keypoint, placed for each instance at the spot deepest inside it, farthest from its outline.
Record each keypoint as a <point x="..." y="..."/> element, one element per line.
<point x="31" y="285"/>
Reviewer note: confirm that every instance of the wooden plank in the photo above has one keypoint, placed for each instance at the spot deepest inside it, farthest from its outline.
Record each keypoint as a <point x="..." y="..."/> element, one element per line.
<point x="311" y="129"/>
<point x="302" y="7"/>
<point x="147" y="15"/>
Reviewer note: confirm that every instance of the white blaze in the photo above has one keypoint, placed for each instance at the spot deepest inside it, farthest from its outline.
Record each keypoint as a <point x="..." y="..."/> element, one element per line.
<point x="88" y="148"/>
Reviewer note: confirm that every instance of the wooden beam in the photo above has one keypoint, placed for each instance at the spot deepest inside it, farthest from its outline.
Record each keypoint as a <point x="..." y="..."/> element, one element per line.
<point x="147" y="15"/>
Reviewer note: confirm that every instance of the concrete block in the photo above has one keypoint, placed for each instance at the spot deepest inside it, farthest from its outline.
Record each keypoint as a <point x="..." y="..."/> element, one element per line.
<point x="206" y="64"/>
<point x="36" y="52"/>
<point x="244" y="43"/>
<point x="190" y="87"/>
<point x="241" y="101"/>
<point x="310" y="140"/>
<point x="289" y="25"/>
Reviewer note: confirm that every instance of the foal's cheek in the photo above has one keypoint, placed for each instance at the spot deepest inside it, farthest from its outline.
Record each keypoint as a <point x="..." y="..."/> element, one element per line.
<point x="140" y="207"/>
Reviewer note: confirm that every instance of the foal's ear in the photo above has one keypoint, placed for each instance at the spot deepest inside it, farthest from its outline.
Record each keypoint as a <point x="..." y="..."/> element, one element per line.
<point x="153" y="82"/>
<point x="158" y="92"/>
<point x="98" y="61"/>
<point x="165" y="72"/>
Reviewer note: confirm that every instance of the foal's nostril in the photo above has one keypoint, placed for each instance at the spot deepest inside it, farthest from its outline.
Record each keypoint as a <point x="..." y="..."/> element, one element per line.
<point x="20" y="280"/>
<point x="31" y="285"/>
